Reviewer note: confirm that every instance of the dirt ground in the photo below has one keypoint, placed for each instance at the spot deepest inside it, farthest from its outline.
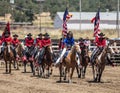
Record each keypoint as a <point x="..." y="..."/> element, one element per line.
<point x="19" y="82"/>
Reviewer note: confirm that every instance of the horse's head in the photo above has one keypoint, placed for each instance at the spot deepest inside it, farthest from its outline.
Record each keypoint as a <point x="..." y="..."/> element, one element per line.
<point x="76" y="48"/>
<point x="49" y="49"/>
<point x="8" y="43"/>
<point x="110" y="50"/>
<point x="85" y="52"/>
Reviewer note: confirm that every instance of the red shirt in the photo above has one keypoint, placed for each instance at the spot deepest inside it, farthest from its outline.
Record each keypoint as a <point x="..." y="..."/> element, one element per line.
<point x="99" y="42"/>
<point x="46" y="42"/>
<point x="7" y="39"/>
<point x="15" y="42"/>
<point x="39" y="42"/>
<point x="0" y="41"/>
<point x="29" y="42"/>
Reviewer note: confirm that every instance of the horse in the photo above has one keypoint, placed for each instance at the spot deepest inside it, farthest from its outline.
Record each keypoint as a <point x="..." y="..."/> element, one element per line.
<point x="8" y="56"/>
<point x="19" y="50"/>
<point x="99" y="65"/>
<point x="27" y="57"/>
<point x="46" y="64"/>
<point x="70" y="62"/>
<point x="84" y="60"/>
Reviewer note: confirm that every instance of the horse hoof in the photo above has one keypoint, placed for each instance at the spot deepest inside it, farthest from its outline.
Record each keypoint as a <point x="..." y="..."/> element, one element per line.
<point x="64" y="78"/>
<point x="79" y="76"/>
<point x="69" y="81"/>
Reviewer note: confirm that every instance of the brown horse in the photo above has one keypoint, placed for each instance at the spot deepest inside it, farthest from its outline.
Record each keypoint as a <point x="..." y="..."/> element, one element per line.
<point x="8" y="56"/>
<point x="70" y="62"/>
<point x="99" y="65"/>
<point x="19" y="51"/>
<point x="46" y="64"/>
<point x="84" y="60"/>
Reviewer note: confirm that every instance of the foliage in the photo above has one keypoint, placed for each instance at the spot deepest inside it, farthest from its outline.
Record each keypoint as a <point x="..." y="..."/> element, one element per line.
<point x="24" y="10"/>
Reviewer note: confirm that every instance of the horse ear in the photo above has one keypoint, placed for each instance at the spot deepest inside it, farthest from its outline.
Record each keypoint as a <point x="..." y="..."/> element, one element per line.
<point x="76" y="43"/>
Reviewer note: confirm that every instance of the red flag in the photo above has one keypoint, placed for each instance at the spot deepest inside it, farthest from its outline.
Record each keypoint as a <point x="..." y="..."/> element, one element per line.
<point x="7" y="29"/>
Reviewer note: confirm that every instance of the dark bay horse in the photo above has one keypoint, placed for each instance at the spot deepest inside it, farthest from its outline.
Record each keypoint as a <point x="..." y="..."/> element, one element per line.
<point x="84" y="60"/>
<point x="70" y="62"/>
<point x="99" y="65"/>
<point x="45" y="67"/>
<point x="28" y="57"/>
<point x="8" y="56"/>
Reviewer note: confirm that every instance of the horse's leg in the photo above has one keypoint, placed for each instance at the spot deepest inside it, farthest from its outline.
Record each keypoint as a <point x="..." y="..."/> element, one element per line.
<point x="51" y="70"/>
<point x="100" y="75"/>
<point x="93" y="70"/>
<point x="48" y="69"/>
<point x="97" y="73"/>
<point x="78" y="71"/>
<point x="6" y="66"/>
<point x="25" y="66"/>
<point x="14" y="64"/>
<point x="60" y="71"/>
<point x="65" y="73"/>
<point x="72" y="70"/>
<point x="69" y="79"/>
<point x="84" y="71"/>
<point x="32" y="68"/>
<point x="10" y="66"/>
<point x="17" y="65"/>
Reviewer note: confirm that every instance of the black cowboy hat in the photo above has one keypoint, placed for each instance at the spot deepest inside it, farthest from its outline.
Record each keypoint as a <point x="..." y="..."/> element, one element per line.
<point x="46" y="34"/>
<point x="80" y="39"/>
<point x="101" y="34"/>
<point x="40" y="34"/>
<point x="15" y="35"/>
<point x="29" y="34"/>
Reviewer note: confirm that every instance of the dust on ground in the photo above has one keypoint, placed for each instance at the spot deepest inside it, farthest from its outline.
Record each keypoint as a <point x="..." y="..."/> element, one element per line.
<point x="19" y="82"/>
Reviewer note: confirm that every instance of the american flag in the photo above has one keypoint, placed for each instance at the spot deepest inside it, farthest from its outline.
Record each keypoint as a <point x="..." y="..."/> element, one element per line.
<point x="96" y="21"/>
<point x="66" y="17"/>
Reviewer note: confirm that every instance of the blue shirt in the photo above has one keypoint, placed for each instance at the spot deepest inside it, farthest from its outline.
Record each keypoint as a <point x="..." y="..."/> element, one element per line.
<point x="69" y="41"/>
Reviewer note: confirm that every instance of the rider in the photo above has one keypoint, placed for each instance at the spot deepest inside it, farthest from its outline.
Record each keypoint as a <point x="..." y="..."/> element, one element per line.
<point x="29" y="42"/>
<point x="61" y="43"/>
<point x="100" y="42"/>
<point x="38" y="43"/>
<point x="6" y="38"/>
<point x="39" y="40"/>
<point x="45" y="42"/>
<point x="69" y="42"/>
<point x="87" y="43"/>
<point x="82" y="43"/>
<point x="15" y="43"/>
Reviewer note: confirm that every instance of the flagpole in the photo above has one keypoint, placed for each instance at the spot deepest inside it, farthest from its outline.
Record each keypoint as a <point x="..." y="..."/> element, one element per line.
<point x="118" y="19"/>
<point x="80" y="15"/>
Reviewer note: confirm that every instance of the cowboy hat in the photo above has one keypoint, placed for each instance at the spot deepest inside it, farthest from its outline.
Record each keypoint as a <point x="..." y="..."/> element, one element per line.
<point x="46" y="34"/>
<point x="29" y="34"/>
<point x="15" y="35"/>
<point x="101" y="34"/>
<point x="40" y="34"/>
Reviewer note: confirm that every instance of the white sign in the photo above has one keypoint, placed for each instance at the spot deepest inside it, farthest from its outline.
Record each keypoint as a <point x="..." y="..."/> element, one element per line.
<point x="12" y="1"/>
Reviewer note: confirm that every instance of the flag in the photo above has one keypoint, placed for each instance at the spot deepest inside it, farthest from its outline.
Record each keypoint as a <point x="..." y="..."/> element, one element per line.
<point x="96" y="21"/>
<point x="7" y="29"/>
<point x="66" y="17"/>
